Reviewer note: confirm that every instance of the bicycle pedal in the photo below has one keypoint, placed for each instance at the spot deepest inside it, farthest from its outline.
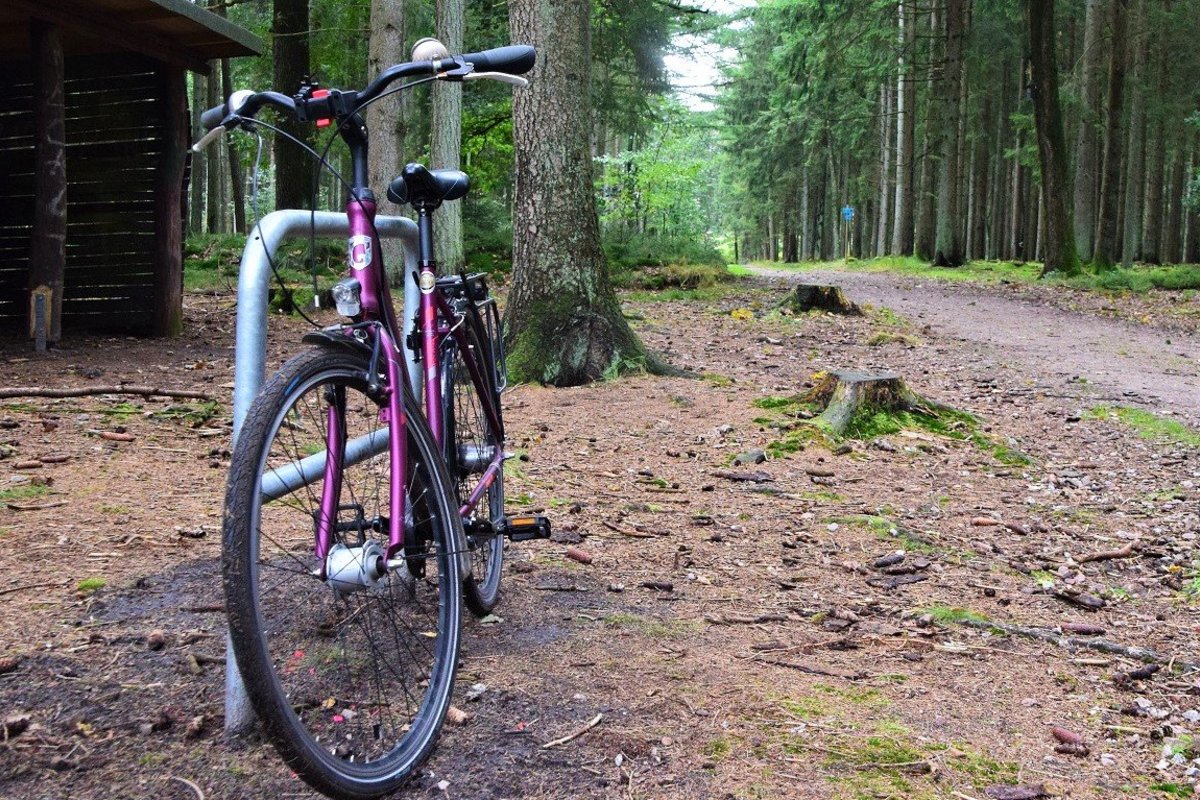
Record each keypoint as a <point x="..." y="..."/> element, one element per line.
<point x="524" y="529"/>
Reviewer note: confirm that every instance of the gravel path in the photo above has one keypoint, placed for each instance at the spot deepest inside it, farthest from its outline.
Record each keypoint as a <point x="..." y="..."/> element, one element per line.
<point x="1122" y="360"/>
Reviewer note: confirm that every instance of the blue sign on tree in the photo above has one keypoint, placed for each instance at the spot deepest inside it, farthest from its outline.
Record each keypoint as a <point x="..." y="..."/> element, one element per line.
<point x="848" y="213"/>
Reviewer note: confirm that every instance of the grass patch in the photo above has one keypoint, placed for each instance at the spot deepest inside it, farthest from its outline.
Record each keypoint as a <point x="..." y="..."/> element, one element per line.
<point x="1149" y="425"/>
<point x="718" y="749"/>
<point x="950" y="615"/>
<point x="806" y="707"/>
<point x="981" y="770"/>
<point x="89" y="586"/>
<point x="23" y="493"/>
<point x="719" y="381"/>
<point x="738" y="271"/>
<point x="880" y="526"/>
<point x="656" y="629"/>
<point x="1181" y="790"/>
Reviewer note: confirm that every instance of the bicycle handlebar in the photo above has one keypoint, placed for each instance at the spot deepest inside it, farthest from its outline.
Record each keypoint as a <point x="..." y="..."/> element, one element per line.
<point x="515" y="59"/>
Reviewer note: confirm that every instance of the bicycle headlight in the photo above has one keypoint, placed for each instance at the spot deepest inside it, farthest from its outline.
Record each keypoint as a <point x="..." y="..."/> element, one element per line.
<point x="347" y="296"/>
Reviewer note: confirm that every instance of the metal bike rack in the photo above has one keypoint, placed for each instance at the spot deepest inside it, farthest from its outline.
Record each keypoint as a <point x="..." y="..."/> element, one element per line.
<point x="250" y="356"/>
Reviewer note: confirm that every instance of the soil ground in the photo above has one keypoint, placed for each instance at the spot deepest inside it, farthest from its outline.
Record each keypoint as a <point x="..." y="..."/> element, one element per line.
<point x="735" y="636"/>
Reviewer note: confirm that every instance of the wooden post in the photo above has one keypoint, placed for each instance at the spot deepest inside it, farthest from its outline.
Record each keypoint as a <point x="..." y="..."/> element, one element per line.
<point x="48" y="244"/>
<point x="168" y="208"/>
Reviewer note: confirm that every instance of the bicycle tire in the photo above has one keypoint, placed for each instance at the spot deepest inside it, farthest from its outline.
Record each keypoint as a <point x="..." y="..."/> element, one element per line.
<point x="351" y="687"/>
<point x="468" y="429"/>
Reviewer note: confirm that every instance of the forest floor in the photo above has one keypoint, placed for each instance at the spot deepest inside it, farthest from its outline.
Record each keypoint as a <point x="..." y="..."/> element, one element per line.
<point x="736" y="632"/>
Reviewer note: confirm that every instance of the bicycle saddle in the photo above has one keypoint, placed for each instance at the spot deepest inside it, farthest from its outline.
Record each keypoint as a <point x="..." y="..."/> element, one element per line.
<point x="421" y="186"/>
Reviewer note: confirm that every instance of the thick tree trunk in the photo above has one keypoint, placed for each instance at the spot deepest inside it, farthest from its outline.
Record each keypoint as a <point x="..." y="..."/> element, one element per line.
<point x="1110" y="180"/>
<point x="1192" y="247"/>
<point x="1052" y="151"/>
<point x="48" y="239"/>
<point x="385" y="119"/>
<point x="1087" y="170"/>
<point x="1135" y="173"/>
<point x="949" y="250"/>
<point x="925" y="234"/>
<point x="446" y="136"/>
<point x="168" y="199"/>
<point x="979" y="183"/>
<point x="293" y="166"/>
<point x="563" y="324"/>
<point x="906" y="104"/>
<point x="1152" y="209"/>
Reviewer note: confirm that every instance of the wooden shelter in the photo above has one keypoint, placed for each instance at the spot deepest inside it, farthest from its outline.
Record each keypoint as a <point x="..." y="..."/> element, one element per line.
<point x="93" y="155"/>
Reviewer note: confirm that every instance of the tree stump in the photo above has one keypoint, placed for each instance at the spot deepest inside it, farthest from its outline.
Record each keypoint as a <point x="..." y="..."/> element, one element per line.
<point x="814" y="297"/>
<point x="845" y="394"/>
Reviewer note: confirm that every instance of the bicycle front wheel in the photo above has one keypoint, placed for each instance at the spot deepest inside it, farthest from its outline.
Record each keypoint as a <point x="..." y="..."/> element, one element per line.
<point x="351" y="676"/>
<point x="472" y="441"/>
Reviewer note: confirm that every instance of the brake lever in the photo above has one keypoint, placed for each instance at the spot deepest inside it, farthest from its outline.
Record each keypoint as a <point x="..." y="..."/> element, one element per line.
<point x="502" y="77"/>
<point x="208" y="138"/>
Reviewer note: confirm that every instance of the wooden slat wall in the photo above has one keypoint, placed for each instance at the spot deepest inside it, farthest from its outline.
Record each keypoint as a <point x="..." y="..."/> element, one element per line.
<point x="114" y="141"/>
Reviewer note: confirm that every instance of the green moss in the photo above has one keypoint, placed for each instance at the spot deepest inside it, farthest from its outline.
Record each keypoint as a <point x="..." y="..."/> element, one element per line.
<point x="718" y="749"/>
<point x="880" y="526"/>
<point x="953" y="615"/>
<point x="89" y="586"/>
<point x="982" y="770"/>
<point x="720" y="381"/>
<point x="23" y="493"/>
<point x="1180" y="790"/>
<point x="738" y="271"/>
<point x="806" y="707"/>
<point x="776" y="403"/>
<point x="1149" y="425"/>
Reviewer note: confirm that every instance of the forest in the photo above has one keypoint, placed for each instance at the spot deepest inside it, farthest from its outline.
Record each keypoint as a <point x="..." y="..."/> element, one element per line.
<point x="923" y="117"/>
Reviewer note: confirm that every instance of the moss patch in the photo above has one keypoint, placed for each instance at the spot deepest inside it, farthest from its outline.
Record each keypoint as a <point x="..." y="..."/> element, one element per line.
<point x="1149" y="425"/>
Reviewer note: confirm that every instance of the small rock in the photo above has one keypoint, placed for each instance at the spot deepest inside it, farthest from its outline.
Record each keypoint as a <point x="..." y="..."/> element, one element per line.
<point x="15" y="725"/>
<point x="443" y="785"/>
<point x="755" y="456"/>
<point x="476" y="691"/>
<point x="157" y="640"/>
<point x="9" y="664"/>
<point x="1107" y="760"/>
<point x="616" y="588"/>
<point x="889" y="560"/>
<point x="523" y="567"/>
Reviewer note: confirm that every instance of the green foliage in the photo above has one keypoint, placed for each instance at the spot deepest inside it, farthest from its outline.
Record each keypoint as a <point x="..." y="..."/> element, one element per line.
<point x="89" y="586"/>
<point x="23" y="492"/>
<point x="1149" y="425"/>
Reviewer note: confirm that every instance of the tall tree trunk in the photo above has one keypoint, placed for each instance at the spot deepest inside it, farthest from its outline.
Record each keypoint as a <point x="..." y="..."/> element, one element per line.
<point x="1087" y="170"/>
<point x="949" y="250"/>
<point x="385" y="119"/>
<point x="196" y="188"/>
<point x="446" y="136"/>
<point x="807" y="229"/>
<point x="236" y="181"/>
<point x="906" y="118"/>
<point x="1052" y="151"/>
<point x="293" y="166"/>
<point x="1172" y="233"/>
<point x="1152" y="209"/>
<point x="979" y="182"/>
<point x="212" y="206"/>
<point x="564" y="323"/>
<point x="1192" y="248"/>
<point x="883" y="218"/>
<point x="925" y="234"/>
<point x="1110" y="180"/>
<point x="1135" y="173"/>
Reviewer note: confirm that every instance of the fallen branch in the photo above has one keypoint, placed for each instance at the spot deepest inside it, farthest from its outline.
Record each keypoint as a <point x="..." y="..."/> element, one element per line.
<point x="571" y="736"/>
<point x="626" y="532"/>
<point x="1072" y="642"/>
<point x="805" y="668"/>
<point x="87" y="391"/>
<point x="1108" y="555"/>
<point x="15" y="589"/>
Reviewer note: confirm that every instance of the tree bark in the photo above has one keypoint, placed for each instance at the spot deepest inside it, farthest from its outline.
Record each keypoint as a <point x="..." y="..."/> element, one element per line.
<point x="1087" y="170"/>
<point x="1152" y="208"/>
<point x="168" y="199"/>
<point x="1105" y="253"/>
<point x="906" y="104"/>
<point x="979" y="183"/>
<point x="212" y="193"/>
<point x="446" y="137"/>
<point x="293" y="167"/>
<point x="885" y="170"/>
<point x="48" y="239"/>
<point x="925" y="233"/>
<point x="385" y="119"/>
<point x="1052" y="153"/>
<point x="1135" y="173"/>
<point x="563" y="324"/>
<point x="1172" y="233"/>
<point x="949" y="250"/>
<point x="196" y="193"/>
<point x="236" y="180"/>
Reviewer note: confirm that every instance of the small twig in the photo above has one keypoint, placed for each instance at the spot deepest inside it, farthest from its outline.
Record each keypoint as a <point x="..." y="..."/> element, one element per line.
<point x="86" y="391"/>
<point x="27" y="586"/>
<point x="571" y="736"/>
<point x="35" y="506"/>
<point x="625" y="532"/>
<point x="190" y="785"/>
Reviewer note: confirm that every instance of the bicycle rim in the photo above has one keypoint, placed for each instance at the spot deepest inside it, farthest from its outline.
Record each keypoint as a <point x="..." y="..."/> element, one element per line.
<point x="352" y="686"/>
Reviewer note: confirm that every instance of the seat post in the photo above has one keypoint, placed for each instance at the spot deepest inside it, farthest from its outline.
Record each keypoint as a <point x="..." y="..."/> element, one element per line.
<point x="425" y="232"/>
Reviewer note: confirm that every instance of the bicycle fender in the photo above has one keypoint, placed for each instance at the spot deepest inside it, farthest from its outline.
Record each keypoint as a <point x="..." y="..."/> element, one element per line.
<point x="336" y="341"/>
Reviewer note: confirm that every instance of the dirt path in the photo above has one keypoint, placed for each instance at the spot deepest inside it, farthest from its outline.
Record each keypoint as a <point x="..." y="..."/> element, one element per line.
<point x="1121" y="359"/>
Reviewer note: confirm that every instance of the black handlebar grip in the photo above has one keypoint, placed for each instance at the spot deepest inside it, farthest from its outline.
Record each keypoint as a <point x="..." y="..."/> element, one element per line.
<point x="515" y="59"/>
<point x="212" y="117"/>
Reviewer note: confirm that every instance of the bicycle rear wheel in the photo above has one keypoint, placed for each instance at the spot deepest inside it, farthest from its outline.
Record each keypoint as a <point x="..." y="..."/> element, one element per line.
<point x="471" y="442"/>
<point x="352" y="681"/>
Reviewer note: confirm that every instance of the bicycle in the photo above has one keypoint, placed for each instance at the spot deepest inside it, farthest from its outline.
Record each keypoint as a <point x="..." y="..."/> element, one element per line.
<point x="356" y="521"/>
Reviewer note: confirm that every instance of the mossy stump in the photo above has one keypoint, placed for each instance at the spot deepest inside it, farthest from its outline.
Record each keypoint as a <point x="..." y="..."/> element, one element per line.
<point x="814" y="297"/>
<point x="844" y="395"/>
